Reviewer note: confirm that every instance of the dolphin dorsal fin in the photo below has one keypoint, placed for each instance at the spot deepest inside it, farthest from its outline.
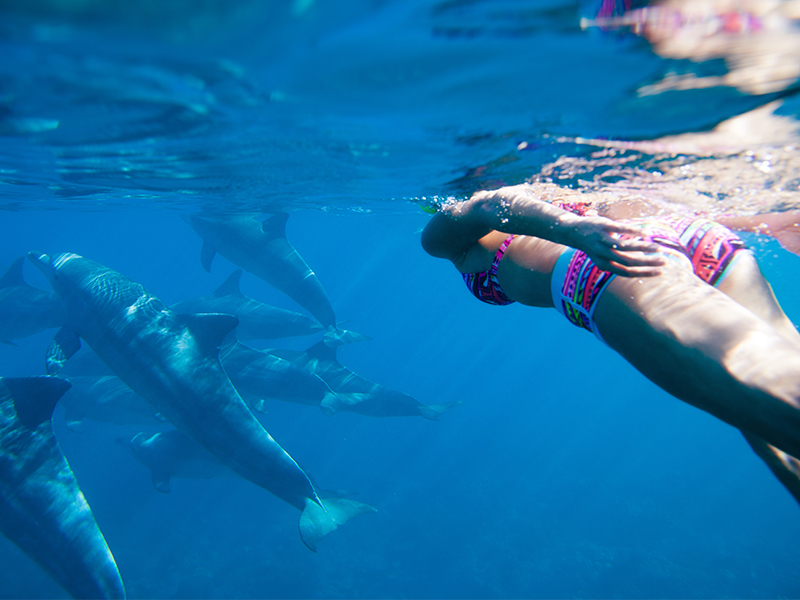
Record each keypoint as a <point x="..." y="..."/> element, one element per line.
<point x="208" y="329"/>
<point x="230" y="286"/>
<point x="13" y="276"/>
<point x="275" y="226"/>
<point x="322" y="351"/>
<point x="35" y="397"/>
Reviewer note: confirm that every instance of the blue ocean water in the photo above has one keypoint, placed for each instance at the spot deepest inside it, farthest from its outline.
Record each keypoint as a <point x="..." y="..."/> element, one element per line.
<point x="563" y="473"/>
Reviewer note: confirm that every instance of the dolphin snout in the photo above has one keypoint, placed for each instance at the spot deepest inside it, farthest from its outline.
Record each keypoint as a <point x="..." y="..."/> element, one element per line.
<point x="41" y="261"/>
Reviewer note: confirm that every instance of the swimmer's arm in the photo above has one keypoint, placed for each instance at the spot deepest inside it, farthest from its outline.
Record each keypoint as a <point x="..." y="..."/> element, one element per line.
<point x="514" y="209"/>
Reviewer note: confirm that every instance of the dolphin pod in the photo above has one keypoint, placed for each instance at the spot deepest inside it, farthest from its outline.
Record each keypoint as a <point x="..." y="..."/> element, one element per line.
<point x="257" y="321"/>
<point x="42" y="509"/>
<point x="262" y="249"/>
<point x="172" y="360"/>
<point x="24" y="309"/>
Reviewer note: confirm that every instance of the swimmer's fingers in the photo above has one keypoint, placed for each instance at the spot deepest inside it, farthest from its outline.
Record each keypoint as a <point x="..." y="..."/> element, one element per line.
<point x="630" y="264"/>
<point x="631" y="245"/>
<point x="625" y="271"/>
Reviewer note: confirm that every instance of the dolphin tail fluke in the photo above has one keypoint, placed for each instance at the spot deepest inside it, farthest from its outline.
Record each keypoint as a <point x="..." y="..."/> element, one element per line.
<point x="318" y="521"/>
<point x="64" y="344"/>
<point x="339" y="337"/>
<point x="432" y="411"/>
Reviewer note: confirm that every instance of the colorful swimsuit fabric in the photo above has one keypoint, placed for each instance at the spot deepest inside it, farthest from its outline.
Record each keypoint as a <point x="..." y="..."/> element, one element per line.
<point x="710" y="246"/>
<point x="578" y="284"/>
<point x="484" y="285"/>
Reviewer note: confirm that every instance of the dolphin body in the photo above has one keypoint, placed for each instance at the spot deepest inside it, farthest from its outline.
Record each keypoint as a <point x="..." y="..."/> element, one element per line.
<point x="42" y="509"/>
<point x="172" y="361"/>
<point x="258" y="375"/>
<point x="263" y="250"/>
<point x="257" y="321"/>
<point x="24" y="309"/>
<point x="355" y="394"/>
<point x="105" y="399"/>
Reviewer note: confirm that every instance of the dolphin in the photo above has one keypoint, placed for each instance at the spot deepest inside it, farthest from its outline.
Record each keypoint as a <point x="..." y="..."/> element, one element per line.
<point x="105" y="399"/>
<point x="172" y="361"/>
<point x="42" y="509"/>
<point x="172" y="454"/>
<point x="257" y="321"/>
<point x="258" y="375"/>
<point x="262" y="249"/>
<point x="24" y="309"/>
<point x="355" y="394"/>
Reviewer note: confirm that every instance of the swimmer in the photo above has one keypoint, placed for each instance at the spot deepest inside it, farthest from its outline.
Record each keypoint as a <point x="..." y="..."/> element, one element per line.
<point x="680" y="298"/>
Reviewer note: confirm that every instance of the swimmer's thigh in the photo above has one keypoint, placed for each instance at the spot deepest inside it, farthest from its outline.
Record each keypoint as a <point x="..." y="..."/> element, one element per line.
<point x="744" y="282"/>
<point x="702" y="347"/>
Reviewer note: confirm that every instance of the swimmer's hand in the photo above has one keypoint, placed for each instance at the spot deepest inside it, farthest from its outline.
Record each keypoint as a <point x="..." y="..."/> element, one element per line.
<point x="599" y="239"/>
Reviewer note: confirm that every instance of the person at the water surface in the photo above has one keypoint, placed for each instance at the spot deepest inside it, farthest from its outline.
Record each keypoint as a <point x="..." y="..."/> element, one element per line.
<point x="679" y="297"/>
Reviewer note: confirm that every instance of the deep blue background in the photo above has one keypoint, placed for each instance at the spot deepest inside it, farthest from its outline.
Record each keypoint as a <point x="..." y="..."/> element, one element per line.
<point x="564" y="473"/>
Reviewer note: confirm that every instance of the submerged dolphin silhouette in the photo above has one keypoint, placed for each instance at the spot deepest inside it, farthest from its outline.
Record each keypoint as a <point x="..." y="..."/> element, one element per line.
<point x="355" y="394"/>
<point x="172" y="361"/>
<point x="257" y="321"/>
<point x="262" y="249"/>
<point x="258" y="375"/>
<point x="173" y="454"/>
<point x="42" y="509"/>
<point x="24" y="309"/>
<point x="106" y="399"/>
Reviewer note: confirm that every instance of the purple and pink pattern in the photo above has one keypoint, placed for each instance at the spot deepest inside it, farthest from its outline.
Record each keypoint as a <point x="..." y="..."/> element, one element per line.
<point x="484" y="286"/>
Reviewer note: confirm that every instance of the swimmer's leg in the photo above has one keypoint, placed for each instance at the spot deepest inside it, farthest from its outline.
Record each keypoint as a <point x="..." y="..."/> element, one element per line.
<point x="745" y="283"/>
<point x="704" y="348"/>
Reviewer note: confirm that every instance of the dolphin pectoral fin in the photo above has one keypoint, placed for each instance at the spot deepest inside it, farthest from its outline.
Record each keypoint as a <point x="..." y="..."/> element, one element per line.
<point x="159" y="417"/>
<point x="432" y="411"/>
<point x="259" y="406"/>
<point x="230" y="287"/>
<point x="338" y="337"/>
<point x="64" y="345"/>
<point x="318" y="521"/>
<point x="160" y="481"/>
<point x="10" y="343"/>
<point x="35" y="397"/>
<point x="208" y="329"/>
<point x="207" y="255"/>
